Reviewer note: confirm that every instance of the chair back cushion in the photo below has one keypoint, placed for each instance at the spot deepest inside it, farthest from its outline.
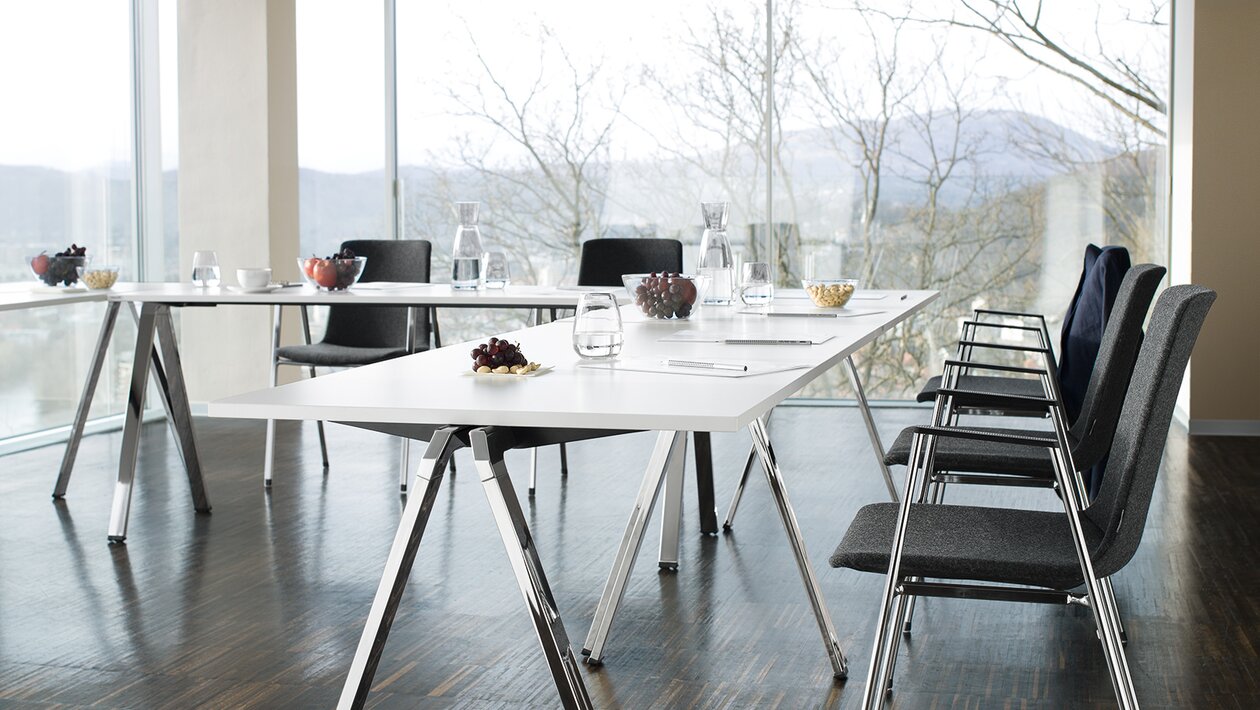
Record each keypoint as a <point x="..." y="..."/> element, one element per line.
<point x="605" y="260"/>
<point x="1125" y="497"/>
<point x="1085" y="321"/>
<point x="405" y="260"/>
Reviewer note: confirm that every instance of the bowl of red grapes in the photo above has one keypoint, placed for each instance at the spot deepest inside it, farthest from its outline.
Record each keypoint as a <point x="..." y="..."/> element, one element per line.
<point x="332" y="273"/>
<point x="501" y="357"/>
<point x="666" y="295"/>
<point x="60" y="269"/>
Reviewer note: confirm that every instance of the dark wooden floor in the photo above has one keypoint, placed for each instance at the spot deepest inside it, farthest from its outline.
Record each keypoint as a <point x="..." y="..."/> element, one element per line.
<point x="260" y="604"/>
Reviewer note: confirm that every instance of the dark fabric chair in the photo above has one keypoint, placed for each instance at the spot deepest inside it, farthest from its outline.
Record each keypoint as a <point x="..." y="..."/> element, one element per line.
<point x="1038" y="549"/>
<point x="1081" y="326"/>
<point x="605" y="260"/>
<point x="1093" y="428"/>
<point x="361" y="335"/>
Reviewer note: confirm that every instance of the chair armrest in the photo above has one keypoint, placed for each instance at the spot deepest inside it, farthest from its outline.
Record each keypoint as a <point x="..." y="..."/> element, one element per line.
<point x="1018" y="400"/>
<point x="990" y="366"/>
<point x="989" y="436"/>
<point x="1001" y="326"/>
<point x="1012" y="314"/>
<point x="1003" y="346"/>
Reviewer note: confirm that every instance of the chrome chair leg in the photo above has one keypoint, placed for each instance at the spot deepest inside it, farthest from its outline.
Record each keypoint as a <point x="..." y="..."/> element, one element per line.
<point x="533" y="471"/>
<point x="631" y="541"/>
<point x="522" y="553"/>
<point x="404" y="465"/>
<point x="778" y="492"/>
<point x="671" y="512"/>
<point x="739" y="489"/>
<point x="85" y="399"/>
<point x="306" y="337"/>
<point x="402" y="553"/>
<point x="269" y="448"/>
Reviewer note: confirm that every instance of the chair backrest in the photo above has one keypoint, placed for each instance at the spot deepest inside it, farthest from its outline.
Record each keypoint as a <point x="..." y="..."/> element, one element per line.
<point x="1086" y="320"/>
<point x="405" y="260"/>
<point x="1095" y="426"/>
<point x="1125" y="498"/>
<point x="605" y="260"/>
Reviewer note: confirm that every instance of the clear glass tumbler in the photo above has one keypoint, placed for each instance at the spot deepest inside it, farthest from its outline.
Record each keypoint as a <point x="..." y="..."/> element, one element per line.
<point x="495" y="274"/>
<point x="597" y="333"/>
<point x="756" y="286"/>
<point x="205" y="269"/>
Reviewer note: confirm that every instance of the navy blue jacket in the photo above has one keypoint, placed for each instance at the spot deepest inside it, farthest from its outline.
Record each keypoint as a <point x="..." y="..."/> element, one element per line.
<point x="1085" y="320"/>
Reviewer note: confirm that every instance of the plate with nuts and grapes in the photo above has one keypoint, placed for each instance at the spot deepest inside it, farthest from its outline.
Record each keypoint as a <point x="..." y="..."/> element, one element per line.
<point x="498" y="357"/>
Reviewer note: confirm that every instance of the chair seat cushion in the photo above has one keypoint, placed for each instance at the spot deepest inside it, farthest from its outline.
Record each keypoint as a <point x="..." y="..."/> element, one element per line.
<point x="330" y="355"/>
<point x="969" y="543"/>
<point x="986" y="383"/>
<point x="972" y="456"/>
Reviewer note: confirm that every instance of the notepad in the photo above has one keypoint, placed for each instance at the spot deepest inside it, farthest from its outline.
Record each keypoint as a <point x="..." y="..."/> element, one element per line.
<point x="657" y="366"/>
<point x="699" y="336"/>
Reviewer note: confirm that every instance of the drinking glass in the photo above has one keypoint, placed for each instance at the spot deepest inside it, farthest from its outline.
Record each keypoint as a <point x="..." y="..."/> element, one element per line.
<point x="496" y="272"/>
<point x="756" y="287"/>
<point x="205" y="269"/>
<point x="597" y="327"/>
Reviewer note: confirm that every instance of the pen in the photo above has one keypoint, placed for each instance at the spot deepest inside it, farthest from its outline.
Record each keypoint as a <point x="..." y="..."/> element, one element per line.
<point x="706" y="365"/>
<point x="903" y="296"/>
<point x="765" y="341"/>
<point x="804" y="315"/>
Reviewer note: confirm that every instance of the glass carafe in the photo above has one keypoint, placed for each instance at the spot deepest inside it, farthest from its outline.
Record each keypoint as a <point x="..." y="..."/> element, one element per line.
<point x="715" y="260"/>
<point x="466" y="250"/>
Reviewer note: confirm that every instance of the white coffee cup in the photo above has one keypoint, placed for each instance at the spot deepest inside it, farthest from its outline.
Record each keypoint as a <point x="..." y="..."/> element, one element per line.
<point x="253" y="278"/>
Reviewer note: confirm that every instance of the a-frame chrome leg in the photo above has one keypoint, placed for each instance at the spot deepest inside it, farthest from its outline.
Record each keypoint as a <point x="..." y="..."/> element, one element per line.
<point x="402" y="553"/>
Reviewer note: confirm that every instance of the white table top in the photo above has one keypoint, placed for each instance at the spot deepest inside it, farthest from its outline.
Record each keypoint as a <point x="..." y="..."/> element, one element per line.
<point x="514" y="296"/>
<point x="432" y="387"/>
<point x="17" y="296"/>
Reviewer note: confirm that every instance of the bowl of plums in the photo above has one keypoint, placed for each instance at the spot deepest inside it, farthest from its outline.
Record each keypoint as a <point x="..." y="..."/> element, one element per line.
<point x="60" y="269"/>
<point x="332" y="273"/>
<point x="666" y="295"/>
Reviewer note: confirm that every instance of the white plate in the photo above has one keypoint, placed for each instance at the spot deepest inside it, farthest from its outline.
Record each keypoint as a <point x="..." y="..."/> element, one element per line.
<point x="260" y="289"/>
<point x="544" y="369"/>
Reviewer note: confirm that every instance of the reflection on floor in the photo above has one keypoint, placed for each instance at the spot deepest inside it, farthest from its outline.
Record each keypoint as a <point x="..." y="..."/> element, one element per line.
<point x="260" y="604"/>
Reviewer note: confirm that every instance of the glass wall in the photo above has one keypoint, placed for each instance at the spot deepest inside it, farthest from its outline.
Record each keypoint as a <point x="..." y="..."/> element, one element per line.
<point x="343" y="191"/>
<point x="65" y="177"/>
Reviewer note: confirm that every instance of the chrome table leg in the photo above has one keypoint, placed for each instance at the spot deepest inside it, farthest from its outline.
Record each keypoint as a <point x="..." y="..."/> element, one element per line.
<point x="402" y="553"/>
<point x="871" y="431"/>
<point x="269" y="448"/>
<point x="180" y="410"/>
<point x="523" y="555"/>
<point x="121" y="507"/>
<point x="743" y="479"/>
<point x="671" y="513"/>
<point x="631" y="540"/>
<point x="761" y="440"/>
<point x="85" y="399"/>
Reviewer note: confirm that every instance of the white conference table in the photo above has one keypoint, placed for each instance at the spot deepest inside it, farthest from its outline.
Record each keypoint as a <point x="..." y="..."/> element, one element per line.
<point x="156" y="336"/>
<point x="20" y="296"/>
<point x="430" y="395"/>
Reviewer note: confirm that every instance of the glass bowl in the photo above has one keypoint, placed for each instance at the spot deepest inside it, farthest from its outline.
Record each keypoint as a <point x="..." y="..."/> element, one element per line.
<point x="98" y="278"/>
<point x="666" y="295"/>
<point x="331" y="274"/>
<point x="830" y="293"/>
<point x="57" y="270"/>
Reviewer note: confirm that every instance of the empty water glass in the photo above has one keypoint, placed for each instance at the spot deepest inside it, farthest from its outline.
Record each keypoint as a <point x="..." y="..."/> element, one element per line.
<point x="756" y="285"/>
<point x="205" y="269"/>
<point x="495" y="272"/>
<point x="597" y="327"/>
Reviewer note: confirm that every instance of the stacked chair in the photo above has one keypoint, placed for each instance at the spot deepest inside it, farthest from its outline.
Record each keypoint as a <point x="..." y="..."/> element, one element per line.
<point x="979" y="551"/>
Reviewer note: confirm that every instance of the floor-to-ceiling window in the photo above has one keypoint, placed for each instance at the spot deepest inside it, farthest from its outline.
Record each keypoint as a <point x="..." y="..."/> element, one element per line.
<point x="65" y="177"/>
<point x="973" y="147"/>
